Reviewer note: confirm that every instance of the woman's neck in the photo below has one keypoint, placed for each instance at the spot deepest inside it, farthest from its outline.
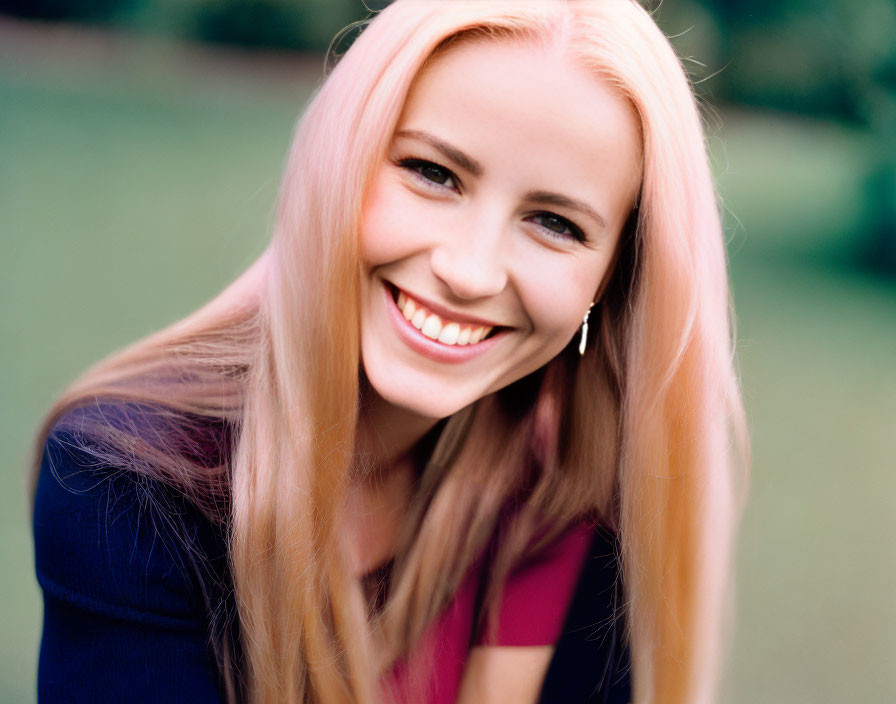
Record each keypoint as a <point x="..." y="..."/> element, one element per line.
<point x="389" y="448"/>
<point x="386" y="434"/>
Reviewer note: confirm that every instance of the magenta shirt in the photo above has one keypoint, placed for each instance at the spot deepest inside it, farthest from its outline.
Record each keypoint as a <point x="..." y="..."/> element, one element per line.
<point x="534" y="603"/>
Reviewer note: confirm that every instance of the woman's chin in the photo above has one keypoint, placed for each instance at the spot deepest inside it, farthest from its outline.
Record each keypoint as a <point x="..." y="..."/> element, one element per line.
<point x="424" y="400"/>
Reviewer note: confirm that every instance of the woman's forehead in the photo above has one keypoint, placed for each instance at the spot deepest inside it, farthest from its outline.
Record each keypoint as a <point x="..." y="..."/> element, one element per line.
<point x="529" y="110"/>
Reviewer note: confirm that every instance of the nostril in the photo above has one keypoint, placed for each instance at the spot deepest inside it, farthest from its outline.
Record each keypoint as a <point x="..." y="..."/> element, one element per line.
<point x="469" y="277"/>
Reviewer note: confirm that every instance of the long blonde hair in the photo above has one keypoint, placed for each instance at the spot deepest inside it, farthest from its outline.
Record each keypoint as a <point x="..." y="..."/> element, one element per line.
<point x="643" y="433"/>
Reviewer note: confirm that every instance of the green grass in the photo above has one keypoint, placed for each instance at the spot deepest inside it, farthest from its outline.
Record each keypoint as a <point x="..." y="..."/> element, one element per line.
<point x="816" y="571"/>
<point x="816" y="621"/>
<point x="129" y="196"/>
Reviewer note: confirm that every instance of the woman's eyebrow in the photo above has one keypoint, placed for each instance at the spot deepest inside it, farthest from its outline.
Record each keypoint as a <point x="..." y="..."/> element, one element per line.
<point x="469" y="164"/>
<point x="558" y="199"/>
<point x="466" y="162"/>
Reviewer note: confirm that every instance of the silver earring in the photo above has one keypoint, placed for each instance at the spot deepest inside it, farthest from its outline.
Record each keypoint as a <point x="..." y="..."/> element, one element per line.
<point x="584" y="339"/>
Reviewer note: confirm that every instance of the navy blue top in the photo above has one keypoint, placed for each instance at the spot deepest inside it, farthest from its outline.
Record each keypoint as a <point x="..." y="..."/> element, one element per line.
<point x="125" y="565"/>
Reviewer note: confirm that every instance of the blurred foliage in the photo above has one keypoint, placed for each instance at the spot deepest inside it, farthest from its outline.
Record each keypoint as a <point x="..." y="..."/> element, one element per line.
<point x="833" y="59"/>
<point x="275" y="23"/>
<point x="279" y="24"/>
<point x="256" y="23"/>
<point x="820" y="57"/>
<point x="93" y="10"/>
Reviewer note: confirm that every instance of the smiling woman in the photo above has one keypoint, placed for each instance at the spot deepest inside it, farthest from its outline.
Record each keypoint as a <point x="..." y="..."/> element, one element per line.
<point x="490" y="334"/>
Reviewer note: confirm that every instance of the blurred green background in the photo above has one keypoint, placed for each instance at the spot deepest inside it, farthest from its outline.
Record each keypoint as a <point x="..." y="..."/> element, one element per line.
<point x="140" y="148"/>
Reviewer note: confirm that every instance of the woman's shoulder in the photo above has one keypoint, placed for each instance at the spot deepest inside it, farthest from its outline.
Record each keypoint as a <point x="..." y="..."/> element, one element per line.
<point x="128" y="569"/>
<point x="114" y="541"/>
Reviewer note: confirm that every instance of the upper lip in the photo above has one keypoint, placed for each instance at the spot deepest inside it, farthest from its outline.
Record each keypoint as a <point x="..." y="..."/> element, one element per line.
<point x="447" y="313"/>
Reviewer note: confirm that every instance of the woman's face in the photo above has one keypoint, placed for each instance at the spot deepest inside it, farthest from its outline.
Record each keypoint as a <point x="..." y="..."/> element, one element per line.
<point x="492" y="222"/>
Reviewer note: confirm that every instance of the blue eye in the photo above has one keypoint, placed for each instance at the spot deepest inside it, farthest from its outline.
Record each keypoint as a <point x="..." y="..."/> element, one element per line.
<point x="430" y="173"/>
<point x="558" y="226"/>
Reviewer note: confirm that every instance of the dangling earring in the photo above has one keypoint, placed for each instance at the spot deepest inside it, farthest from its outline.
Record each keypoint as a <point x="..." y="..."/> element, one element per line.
<point x="584" y="339"/>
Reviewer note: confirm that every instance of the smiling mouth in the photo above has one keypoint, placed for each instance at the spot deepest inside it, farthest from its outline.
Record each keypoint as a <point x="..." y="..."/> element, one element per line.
<point x="441" y="329"/>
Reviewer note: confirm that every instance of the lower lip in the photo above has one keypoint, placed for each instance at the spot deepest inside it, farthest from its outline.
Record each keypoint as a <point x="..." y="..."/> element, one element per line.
<point x="430" y="348"/>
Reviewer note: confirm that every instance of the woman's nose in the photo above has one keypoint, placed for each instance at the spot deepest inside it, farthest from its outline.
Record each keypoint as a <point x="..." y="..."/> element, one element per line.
<point x="472" y="262"/>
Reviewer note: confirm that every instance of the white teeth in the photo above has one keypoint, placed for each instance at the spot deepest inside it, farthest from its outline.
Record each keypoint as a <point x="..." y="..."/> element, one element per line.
<point x="419" y="318"/>
<point x="432" y="327"/>
<point x="478" y="334"/>
<point x="408" y="309"/>
<point x="450" y="333"/>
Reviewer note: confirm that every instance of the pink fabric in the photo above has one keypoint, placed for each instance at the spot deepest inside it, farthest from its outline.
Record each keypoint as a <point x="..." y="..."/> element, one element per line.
<point x="534" y="604"/>
<point x="537" y="595"/>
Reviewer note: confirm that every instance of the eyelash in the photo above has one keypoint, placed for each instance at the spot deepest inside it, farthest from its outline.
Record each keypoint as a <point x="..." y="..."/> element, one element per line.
<point x="574" y="230"/>
<point x="415" y="167"/>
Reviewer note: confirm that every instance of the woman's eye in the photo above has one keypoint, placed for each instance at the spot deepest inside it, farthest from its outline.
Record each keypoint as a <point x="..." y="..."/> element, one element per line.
<point x="429" y="172"/>
<point x="558" y="226"/>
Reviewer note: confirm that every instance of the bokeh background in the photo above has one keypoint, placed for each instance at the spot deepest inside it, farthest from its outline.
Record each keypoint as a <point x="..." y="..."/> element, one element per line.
<point x="140" y="148"/>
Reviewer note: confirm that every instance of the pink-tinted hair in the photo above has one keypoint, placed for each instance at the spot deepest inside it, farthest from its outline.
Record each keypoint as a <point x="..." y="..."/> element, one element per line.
<point x="643" y="433"/>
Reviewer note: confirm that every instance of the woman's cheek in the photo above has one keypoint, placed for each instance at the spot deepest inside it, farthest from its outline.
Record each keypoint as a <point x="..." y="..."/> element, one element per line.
<point x="394" y="224"/>
<point x="556" y="293"/>
<point x="382" y="225"/>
